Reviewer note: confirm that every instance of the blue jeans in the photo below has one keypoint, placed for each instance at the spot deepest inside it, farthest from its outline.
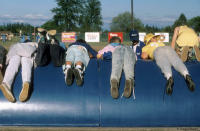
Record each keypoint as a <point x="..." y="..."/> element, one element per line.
<point x="123" y="58"/>
<point x="77" y="53"/>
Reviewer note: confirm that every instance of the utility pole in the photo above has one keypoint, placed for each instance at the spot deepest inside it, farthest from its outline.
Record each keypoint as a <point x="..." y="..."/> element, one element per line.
<point x="132" y="21"/>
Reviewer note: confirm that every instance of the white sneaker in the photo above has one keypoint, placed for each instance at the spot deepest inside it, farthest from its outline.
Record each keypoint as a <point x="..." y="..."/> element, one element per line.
<point x="7" y="92"/>
<point x="78" y="73"/>
<point x="68" y="76"/>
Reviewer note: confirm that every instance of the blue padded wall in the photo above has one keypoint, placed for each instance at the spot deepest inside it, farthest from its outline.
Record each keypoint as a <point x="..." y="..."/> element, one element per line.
<point x="151" y="106"/>
<point x="52" y="103"/>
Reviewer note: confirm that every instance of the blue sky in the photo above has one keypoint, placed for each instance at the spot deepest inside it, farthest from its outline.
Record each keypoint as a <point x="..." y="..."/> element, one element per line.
<point x="153" y="12"/>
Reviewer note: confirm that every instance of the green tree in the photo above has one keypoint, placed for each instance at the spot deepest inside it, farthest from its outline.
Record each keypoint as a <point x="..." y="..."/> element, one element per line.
<point x="91" y="19"/>
<point x="167" y="29"/>
<point x="67" y="14"/>
<point x="182" y="20"/>
<point x="51" y="24"/>
<point x="16" y="27"/>
<point x="122" y="23"/>
<point x="195" y="23"/>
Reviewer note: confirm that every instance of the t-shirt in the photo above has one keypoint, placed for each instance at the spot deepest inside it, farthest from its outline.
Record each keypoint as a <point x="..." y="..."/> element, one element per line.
<point x="150" y="48"/>
<point x="187" y="37"/>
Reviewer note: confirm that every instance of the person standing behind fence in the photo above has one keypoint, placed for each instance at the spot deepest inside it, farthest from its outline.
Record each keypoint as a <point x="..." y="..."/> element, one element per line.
<point x="165" y="57"/>
<point x="123" y="58"/>
<point x="137" y="45"/>
<point x="186" y="40"/>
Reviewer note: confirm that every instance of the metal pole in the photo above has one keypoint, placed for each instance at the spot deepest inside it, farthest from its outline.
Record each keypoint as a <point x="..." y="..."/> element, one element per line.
<point x="132" y="21"/>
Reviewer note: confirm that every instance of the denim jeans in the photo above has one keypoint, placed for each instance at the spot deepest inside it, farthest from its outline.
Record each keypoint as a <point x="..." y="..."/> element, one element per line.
<point x="123" y="58"/>
<point x="77" y="53"/>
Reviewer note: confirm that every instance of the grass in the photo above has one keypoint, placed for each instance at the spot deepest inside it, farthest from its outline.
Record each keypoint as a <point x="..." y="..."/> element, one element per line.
<point x="96" y="46"/>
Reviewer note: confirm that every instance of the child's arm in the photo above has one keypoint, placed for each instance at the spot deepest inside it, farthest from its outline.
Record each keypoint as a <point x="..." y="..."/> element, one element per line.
<point x="92" y="51"/>
<point x="176" y="31"/>
<point x="144" y="55"/>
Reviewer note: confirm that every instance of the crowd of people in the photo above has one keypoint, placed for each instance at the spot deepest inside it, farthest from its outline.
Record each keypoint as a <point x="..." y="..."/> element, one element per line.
<point x="76" y="57"/>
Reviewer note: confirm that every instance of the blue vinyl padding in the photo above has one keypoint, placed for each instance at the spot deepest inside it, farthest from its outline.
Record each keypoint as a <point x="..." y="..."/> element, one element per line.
<point x="52" y="103"/>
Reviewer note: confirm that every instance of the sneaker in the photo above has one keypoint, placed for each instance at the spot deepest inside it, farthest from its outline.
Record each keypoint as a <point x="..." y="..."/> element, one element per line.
<point x="190" y="83"/>
<point x="184" y="53"/>
<point x="24" y="94"/>
<point x="197" y="53"/>
<point x="128" y="88"/>
<point x="78" y="73"/>
<point x="7" y="92"/>
<point x="169" y="86"/>
<point x="114" y="89"/>
<point x="69" y="76"/>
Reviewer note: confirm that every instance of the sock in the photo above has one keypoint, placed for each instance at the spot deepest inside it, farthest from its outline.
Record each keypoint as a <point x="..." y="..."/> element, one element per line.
<point x="78" y="67"/>
<point x="68" y="66"/>
<point x="168" y="76"/>
<point x="185" y="73"/>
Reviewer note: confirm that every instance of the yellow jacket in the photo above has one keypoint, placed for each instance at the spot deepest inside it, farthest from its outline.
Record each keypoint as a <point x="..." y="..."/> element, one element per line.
<point x="150" y="48"/>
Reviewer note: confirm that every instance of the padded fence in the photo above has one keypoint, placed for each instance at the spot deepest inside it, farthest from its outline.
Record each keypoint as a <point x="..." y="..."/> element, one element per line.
<point x="53" y="103"/>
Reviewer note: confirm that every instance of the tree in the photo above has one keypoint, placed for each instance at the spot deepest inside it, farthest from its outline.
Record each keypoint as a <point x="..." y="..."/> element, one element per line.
<point x="91" y="20"/>
<point x="51" y="24"/>
<point x="67" y="14"/>
<point x="16" y="27"/>
<point x="182" y="20"/>
<point x="195" y="23"/>
<point x="122" y="22"/>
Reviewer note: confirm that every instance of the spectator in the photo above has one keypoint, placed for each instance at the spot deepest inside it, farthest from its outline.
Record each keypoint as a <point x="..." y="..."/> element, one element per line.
<point x="137" y="45"/>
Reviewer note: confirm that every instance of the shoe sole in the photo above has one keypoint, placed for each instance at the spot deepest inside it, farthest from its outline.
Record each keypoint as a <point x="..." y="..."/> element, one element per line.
<point x="24" y="93"/>
<point x="127" y="89"/>
<point x="197" y="53"/>
<point x="169" y="91"/>
<point x="8" y="95"/>
<point x="79" y="81"/>
<point x="114" y="89"/>
<point x="184" y="54"/>
<point x="69" y="77"/>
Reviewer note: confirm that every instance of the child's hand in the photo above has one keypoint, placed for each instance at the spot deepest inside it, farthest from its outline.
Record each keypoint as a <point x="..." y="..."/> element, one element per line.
<point x="99" y="56"/>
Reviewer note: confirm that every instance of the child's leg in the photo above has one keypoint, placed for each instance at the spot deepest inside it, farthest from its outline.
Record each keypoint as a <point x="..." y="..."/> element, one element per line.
<point x="197" y="52"/>
<point x="180" y="67"/>
<point x="162" y="61"/>
<point x="161" y="58"/>
<point x="117" y="63"/>
<point x="184" y="53"/>
<point x="11" y="70"/>
<point x="129" y="64"/>
<point x="68" y="71"/>
<point x="117" y="66"/>
<point x="27" y="65"/>
<point x="81" y="61"/>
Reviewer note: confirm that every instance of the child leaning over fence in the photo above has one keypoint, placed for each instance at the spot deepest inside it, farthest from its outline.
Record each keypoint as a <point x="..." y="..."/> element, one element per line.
<point x="165" y="57"/>
<point x="122" y="58"/>
<point x="19" y="54"/>
<point x="77" y="59"/>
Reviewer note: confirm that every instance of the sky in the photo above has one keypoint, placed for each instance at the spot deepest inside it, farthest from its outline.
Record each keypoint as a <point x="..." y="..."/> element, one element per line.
<point x="153" y="12"/>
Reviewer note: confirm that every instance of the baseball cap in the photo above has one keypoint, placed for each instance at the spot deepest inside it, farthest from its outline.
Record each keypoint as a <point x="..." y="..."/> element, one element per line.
<point x="134" y="35"/>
